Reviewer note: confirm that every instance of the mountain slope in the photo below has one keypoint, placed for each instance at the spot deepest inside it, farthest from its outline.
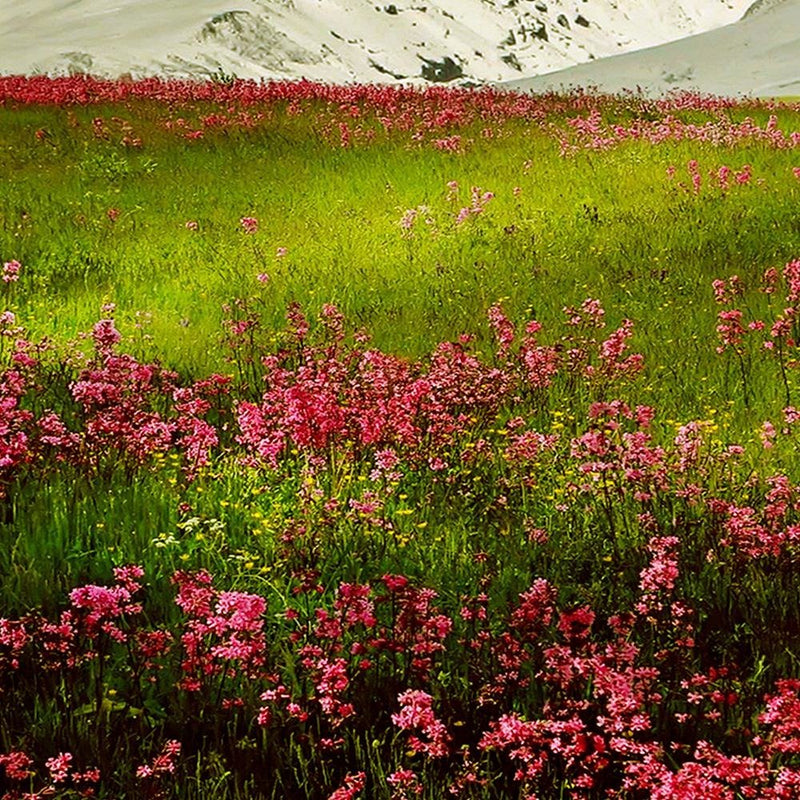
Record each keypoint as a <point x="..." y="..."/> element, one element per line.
<point x="339" y="40"/>
<point x="759" y="55"/>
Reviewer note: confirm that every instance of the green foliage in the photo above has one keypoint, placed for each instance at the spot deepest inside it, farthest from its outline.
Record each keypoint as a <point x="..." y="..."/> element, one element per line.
<point x="96" y="210"/>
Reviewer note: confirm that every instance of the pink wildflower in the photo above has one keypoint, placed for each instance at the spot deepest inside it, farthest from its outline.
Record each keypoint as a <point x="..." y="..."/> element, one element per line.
<point x="407" y="220"/>
<point x="11" y="271"/>
<point x="503" y="328"/>
<point x="743" y="175"/>
<point x="353" y="784"/>
<point x="105" y="335"/>
<point x="767" y="435"/>
<point x="59" y="767"/>
<point x="164" y="763"/>
<point x="250" y="224"/>
<point x="405" y="783"/>
<point x="416" y="714"/>
<point x="16" y="765"/>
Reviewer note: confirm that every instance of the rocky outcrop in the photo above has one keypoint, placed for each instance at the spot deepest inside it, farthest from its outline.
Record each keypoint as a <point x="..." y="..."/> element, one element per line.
<point x="441" y="71"/>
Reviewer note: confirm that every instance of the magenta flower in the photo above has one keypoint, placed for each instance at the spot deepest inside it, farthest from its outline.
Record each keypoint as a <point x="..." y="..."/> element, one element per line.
<point x="163" y="763"/>
<point x="105" y="335"/>
<point x="16" y="765"/>
<point x="59" y="767"/>
<point x="407" y="220"/>
<point x="352" y="786"/>
<point x="416" y="715"/>
<point x="250" y="224"/>
<point x="11" y="271"/>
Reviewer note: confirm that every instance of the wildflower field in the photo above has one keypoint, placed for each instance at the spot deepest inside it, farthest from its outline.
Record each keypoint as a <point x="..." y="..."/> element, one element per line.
<point x="379" y="443"/>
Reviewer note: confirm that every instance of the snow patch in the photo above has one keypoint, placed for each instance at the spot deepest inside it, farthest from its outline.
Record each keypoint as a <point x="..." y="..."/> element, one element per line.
<point x="341" y="40"/>
<point x="758" y="55"/>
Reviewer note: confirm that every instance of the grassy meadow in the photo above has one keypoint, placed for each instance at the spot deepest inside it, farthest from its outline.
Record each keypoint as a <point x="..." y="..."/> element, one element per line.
<point x="379" y="443"/>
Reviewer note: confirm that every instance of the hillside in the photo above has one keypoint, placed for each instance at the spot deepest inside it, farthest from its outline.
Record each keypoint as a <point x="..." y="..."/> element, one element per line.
<point x="757" y="55"/>
<point x="340" y="40"/>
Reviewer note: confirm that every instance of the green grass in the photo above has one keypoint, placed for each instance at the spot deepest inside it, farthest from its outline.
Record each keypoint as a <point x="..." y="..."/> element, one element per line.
<point x="604" y="224"/>
<point x="607" y="224"/>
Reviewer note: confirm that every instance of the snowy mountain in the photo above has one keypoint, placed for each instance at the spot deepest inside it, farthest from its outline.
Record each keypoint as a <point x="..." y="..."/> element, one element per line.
<point x="340" y="40"/>
<point x="759" y="55"/>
